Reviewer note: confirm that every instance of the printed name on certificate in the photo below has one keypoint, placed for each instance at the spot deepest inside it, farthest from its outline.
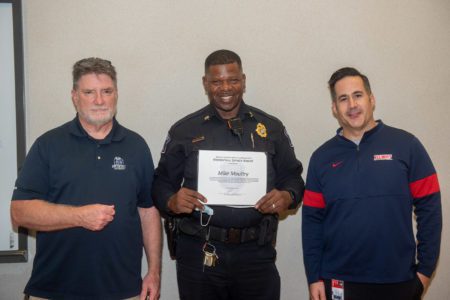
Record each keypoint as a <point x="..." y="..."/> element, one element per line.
<point x="232" y="177"/>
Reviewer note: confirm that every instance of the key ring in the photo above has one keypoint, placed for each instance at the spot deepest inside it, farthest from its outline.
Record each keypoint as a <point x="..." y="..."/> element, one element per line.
<point x="210" y="246"/>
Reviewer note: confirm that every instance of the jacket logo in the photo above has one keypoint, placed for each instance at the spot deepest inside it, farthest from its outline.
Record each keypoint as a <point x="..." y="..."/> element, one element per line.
<point x="119" y="164"/>
<point x="382" y="157"/>
<point x="336" y="164"/>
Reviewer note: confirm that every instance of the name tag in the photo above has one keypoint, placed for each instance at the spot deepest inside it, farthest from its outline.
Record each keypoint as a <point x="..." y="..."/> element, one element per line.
<point x="337" y="289"/>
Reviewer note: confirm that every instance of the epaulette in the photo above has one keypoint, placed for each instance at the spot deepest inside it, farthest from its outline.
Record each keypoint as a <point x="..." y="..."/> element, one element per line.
<point x="256" y="111"/>
<point x="199" y="114"/>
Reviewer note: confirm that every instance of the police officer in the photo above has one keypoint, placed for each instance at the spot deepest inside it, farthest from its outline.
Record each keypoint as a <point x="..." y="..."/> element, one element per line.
<point x="229" y="254"/>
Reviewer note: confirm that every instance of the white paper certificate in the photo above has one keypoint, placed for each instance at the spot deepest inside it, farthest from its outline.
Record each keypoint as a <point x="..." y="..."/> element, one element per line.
<point x="232" y="177"/>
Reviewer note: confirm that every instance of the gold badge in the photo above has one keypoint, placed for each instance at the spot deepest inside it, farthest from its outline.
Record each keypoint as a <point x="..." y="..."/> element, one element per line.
<point x="261" y="130"/>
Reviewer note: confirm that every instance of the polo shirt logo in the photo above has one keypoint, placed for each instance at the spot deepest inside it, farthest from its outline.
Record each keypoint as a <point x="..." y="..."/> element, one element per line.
<point x="382" y="157"/>
<point x="119" y="164"/>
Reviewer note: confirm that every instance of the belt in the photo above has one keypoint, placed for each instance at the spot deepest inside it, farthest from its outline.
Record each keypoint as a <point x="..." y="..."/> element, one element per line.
<point x="224" y="235"/>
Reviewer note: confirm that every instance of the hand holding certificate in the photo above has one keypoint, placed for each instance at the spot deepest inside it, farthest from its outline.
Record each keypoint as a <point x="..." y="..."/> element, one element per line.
<point x="237" y="178"/>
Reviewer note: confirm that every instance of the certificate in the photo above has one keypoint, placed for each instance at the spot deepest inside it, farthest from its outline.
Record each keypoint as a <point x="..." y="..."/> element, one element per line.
<point x="232" y="177"/>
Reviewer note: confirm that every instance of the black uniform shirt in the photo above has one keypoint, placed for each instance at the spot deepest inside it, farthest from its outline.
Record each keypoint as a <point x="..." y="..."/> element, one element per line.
<point x="206" y="130"/>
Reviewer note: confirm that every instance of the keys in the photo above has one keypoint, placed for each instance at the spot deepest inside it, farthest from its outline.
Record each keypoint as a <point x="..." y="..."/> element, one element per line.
<point x="210" y="257"/>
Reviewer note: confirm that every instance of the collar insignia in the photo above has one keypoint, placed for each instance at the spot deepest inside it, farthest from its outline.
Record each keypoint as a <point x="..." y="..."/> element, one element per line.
<point x="261" y="130"/>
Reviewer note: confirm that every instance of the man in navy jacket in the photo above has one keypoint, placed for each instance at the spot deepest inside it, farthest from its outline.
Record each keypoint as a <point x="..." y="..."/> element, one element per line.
<point x="362" y="188"/>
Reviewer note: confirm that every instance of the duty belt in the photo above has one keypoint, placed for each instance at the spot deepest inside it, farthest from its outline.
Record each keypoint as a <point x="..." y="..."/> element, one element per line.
<point x="224" y="235"/>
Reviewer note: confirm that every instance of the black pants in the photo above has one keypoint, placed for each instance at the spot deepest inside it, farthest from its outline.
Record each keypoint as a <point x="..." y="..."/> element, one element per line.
<point x="407" y="290"/>
<point x="243" y="271"/>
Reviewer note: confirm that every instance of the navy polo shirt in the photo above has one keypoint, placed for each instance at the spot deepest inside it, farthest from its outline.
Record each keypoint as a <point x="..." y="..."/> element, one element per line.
<point x="67" y="166"/>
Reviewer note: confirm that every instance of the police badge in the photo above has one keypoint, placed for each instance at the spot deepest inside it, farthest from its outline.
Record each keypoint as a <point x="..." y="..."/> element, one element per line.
<point x="261" y="130"/>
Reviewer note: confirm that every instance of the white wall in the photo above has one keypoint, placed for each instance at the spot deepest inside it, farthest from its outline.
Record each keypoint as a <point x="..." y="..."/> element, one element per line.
<point x="289" y="50"/>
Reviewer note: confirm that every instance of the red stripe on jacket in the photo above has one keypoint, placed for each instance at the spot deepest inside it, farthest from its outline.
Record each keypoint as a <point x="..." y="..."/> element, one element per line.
<point x="424" y="187"/>
<point x="313" y="199"/>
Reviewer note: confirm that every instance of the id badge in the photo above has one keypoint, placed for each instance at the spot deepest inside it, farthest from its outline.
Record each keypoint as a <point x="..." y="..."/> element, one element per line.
<point x="337" y="289"/>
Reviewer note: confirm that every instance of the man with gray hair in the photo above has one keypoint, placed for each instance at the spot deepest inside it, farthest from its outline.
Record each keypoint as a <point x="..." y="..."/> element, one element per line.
<point x="85" y="188"/>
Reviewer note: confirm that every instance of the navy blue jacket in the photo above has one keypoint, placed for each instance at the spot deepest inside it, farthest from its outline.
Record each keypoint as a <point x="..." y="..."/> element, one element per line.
<point x="357" y="215"/>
